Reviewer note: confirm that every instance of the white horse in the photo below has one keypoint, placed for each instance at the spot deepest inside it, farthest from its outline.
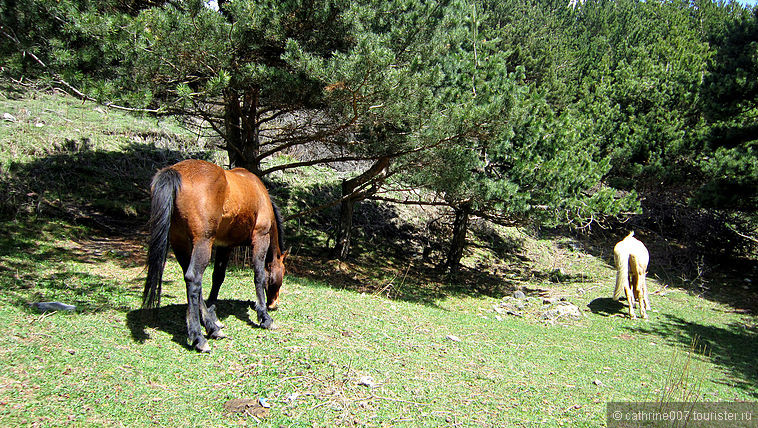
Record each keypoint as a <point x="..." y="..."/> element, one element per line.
<point x="631" y="267"/>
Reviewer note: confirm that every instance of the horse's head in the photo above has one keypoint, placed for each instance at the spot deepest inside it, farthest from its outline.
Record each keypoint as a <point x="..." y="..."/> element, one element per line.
<point x="275" y="278"/>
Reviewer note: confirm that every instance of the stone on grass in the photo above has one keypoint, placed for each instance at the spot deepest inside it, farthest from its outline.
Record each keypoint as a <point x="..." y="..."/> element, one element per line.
<point x="562" y="310"/>
<point x="52" y="306"/>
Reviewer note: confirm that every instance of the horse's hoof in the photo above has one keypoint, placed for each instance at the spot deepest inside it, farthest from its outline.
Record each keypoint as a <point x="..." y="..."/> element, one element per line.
<point x="203" y="347"/>
<point x="218" y="334"/>
<point x="267" y="322"/>
<point x="220" y="325"/>
<point x="272" y="307"/>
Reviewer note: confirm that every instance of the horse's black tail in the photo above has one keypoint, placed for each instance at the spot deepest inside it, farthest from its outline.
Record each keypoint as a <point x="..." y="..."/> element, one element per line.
<point x="164" y="187"/>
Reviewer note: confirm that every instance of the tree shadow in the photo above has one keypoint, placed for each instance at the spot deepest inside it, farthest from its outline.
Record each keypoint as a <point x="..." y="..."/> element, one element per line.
<point x="32" y="271"/>
<point x="170" y="319"/>
<point x="76" y="205"/>
<point x="398" y="252"/>
<point x="733" y="347"/>
<point x="105" y="190"/>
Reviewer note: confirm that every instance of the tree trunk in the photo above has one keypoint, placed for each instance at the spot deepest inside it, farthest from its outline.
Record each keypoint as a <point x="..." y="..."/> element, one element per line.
<point x="345" y="226"/>
<point x="458" y="242"/>
<point x="241" y="126"/>
<point x="377" y="172"/>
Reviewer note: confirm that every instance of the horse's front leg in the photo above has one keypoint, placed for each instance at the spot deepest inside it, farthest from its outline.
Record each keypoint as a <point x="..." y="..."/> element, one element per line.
<point x="260" y="248"/>
<point x="219" y="273"/>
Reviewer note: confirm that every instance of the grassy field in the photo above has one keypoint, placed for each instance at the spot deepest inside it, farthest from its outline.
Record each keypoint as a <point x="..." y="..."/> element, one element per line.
<point x="433" y="351"/>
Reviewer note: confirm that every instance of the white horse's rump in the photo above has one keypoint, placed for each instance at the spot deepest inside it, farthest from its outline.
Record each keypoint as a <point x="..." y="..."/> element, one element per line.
<point x="631" y="267"/>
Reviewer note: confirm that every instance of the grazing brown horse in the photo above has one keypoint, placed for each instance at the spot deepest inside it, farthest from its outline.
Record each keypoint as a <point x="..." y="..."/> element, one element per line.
<point x="197" y="205"/>
<point x="631" y="269"/>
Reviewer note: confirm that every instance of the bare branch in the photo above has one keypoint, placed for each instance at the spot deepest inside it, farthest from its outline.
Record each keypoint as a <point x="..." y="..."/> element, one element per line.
<point x="409" y="202"/>
<point x="357" y="192"/>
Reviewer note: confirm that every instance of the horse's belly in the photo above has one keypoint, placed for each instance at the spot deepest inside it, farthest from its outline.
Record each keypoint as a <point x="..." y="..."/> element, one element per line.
<point x="233" y="232"/>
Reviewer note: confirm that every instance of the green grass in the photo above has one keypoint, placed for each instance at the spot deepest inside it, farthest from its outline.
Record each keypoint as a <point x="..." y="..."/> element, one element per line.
<point x="110" y="363"/>
<point x="48" y="124"/>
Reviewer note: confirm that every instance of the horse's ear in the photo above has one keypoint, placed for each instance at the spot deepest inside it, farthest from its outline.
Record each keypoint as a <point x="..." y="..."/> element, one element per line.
<point x="286" y="254"/>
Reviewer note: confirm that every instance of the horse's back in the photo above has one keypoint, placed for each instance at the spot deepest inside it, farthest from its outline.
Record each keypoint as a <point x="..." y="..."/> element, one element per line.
<point x="228" y="205"/>
<point x="199" y="201"/>
<point x="633" y="250"/>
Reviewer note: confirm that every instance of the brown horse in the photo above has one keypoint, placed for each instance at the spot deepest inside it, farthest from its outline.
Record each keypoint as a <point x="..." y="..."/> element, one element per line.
<point x="197" y="205"/>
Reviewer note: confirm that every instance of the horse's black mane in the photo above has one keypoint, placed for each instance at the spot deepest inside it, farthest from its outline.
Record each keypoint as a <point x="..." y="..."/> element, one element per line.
<point x="279" y="230"/>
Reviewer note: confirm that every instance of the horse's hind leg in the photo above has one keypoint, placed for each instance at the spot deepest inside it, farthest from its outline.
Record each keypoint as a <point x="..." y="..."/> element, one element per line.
<point x="629" y="289"/>
<point x="193" y="277"/>
<point x="642" y="287"/>
<point x="210" y="321"/>
<point x="260" y="248"/>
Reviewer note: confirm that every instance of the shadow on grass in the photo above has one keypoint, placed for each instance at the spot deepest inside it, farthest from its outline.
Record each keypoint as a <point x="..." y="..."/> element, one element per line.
<point x="171" y="319"/>
<point x="76" y="206"/>
<point x="733" y="347"/>
<point x="105" y="190"/>
<point x="33" y="269"/>
<point x="606" y="306"/>
<point x="409" y="280"/>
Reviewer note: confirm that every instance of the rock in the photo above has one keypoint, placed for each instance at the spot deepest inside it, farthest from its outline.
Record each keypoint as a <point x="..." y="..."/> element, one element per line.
<point x="511" y="306"/>
<point x="367" y="381"/>
<point x="512" y="302"/>
<point x="9" y="117"/>
<point x="519" y="294"/>
<point x="562" y="310"/>
<point x="52" y="306"/>
<point x="598" y="382"/>
<point x="453" y="338"/>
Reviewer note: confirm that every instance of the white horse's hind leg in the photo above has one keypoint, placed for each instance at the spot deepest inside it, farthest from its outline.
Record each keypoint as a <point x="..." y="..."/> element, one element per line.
<point x="630" y="297"/>
<point x="643" y="290"/>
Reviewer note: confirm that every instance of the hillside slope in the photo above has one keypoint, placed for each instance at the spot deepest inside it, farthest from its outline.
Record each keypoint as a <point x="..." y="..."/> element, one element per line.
<point x="382" y="340"/>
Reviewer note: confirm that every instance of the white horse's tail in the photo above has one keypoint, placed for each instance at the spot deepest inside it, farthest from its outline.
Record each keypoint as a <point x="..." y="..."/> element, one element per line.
<point x="622" y="274"/>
